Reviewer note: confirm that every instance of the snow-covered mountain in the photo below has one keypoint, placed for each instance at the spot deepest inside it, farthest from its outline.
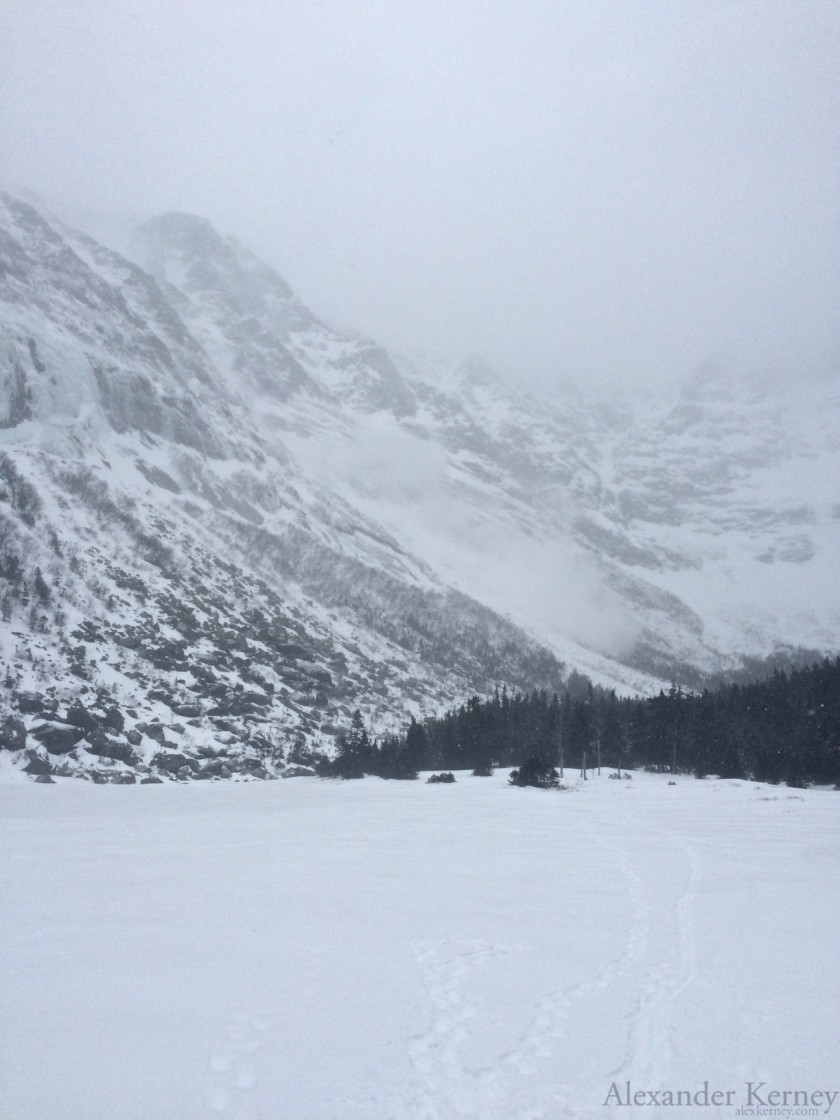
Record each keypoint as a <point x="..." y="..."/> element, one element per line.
<point x="225" y="525"/>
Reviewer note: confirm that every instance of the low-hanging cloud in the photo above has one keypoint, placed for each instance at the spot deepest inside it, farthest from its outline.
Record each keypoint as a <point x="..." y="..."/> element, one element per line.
<point x="589" y="190"/>
<point x="442" y="514"/>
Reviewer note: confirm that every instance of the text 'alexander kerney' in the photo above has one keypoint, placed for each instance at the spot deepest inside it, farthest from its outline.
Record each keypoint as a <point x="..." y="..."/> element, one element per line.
<point x="755" y="1094"/>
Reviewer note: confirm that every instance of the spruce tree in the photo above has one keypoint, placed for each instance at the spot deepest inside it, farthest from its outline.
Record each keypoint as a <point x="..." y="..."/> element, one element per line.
<point x="355" y="753"/>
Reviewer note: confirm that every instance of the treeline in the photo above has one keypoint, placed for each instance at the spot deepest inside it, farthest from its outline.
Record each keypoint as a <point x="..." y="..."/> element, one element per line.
<point x="786" y="728"/>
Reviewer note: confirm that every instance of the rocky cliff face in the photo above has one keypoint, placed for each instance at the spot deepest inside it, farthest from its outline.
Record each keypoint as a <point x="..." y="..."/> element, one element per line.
<point x="165" y="565"/>
<point x="225" y="525"/>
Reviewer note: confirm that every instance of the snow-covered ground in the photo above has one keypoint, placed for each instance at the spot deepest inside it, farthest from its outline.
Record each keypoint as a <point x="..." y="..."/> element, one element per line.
<point x="306" y="950"/>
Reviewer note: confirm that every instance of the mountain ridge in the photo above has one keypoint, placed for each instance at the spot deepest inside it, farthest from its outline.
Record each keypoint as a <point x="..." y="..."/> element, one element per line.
<point x="191" y="458"/>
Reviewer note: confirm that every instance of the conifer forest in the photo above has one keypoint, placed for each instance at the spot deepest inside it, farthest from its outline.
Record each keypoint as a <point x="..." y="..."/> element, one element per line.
<point x="784" y="729"/>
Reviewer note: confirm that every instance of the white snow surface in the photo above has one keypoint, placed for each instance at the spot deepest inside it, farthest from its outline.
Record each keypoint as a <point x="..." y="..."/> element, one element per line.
<point x="374" y="950"/>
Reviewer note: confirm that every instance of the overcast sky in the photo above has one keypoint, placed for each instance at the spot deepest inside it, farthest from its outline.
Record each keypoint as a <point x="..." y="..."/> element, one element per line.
<point x="612" y="190"/>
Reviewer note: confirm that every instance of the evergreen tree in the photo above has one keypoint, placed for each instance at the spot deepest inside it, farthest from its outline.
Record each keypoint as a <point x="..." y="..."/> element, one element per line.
<point x="416" y="746"/>
<point x="355" y="753"/>
<point x="612" y="735"/>
<point x="40" y="588"/>
<point x="393" y="759"/>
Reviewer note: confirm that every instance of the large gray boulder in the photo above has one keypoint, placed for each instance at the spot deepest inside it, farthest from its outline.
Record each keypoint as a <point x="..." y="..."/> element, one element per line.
<point x="12" y="734"/>
<point x="37" y="762"/>
<point x="58" y="737"/>
<point x="186" y="710"/>
<point x="30" y="702"/>
<point x="170" y="761"/>
<point x="114" y="718"/>
<point x="213" y="768"/>
<point x="155" y="731"/>
<point x="102" y="745"/>
<point x="79" y="716"/>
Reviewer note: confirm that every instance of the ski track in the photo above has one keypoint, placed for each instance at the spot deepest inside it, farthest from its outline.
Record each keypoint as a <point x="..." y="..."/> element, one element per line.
<point x="651" y="1043"/>
<point x="445" y="1088"/>
<point x="628" y="954"/>
<point x="657" y="963"/>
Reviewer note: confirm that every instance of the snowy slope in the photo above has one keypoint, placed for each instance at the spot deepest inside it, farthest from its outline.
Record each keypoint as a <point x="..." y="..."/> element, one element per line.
<point x="191" y="575"/>
<point x="654" y="533"/>
<point x="376" y="950"/>
<point x="222" y="494"/>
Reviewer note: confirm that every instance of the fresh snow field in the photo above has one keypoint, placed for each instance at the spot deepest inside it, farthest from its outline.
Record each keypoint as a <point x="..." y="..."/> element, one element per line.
<point x="370" y="950"/>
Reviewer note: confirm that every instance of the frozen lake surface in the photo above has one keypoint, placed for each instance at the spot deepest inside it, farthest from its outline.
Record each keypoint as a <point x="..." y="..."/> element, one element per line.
<point x="372" y="950"/>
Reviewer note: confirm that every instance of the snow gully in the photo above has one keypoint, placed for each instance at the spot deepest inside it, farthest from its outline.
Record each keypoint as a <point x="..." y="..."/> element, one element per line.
<point x="756" y="1096"/>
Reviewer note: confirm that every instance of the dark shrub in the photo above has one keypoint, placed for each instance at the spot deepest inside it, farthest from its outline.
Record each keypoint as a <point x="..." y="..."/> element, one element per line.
<point x="535" y="772"/>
